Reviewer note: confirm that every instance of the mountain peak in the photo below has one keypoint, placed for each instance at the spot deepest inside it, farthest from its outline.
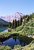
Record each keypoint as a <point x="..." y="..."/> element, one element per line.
<point x="16" y="16"/>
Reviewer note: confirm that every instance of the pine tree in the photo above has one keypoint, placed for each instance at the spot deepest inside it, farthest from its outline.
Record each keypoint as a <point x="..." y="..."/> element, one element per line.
<point x="13" y="24"/>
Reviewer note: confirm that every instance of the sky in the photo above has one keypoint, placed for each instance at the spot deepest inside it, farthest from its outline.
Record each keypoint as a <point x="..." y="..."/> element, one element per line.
<point x="9" y="7"/>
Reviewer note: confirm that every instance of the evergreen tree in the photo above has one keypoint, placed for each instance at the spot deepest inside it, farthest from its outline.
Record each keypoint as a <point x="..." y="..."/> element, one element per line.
<point x="13" y="24"/>
<point x="20" y="20"/>
<point x="18" y="23"/>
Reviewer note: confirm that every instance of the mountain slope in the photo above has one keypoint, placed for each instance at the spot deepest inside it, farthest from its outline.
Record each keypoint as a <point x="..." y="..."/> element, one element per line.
<point x="3" y="22"/>
<point x="27" y="27"/>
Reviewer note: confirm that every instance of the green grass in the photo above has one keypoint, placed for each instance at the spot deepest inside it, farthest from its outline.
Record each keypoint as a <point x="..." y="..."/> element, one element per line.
<point x="5" y="48"/>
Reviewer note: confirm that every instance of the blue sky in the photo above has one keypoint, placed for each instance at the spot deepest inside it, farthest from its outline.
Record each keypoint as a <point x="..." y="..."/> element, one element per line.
<point x="8" y="7"/>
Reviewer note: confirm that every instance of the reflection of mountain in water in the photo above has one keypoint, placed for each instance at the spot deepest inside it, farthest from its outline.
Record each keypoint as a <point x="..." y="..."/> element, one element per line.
<point x="11" y="42"/>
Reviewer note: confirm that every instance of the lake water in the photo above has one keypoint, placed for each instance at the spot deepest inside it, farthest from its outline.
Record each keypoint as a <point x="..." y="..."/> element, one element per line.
<point x="3" y="29"/>
<point x="12" y="42"/>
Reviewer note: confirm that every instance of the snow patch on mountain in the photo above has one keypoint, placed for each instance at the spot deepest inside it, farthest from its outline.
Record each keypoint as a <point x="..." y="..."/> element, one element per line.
<point x="16" y="16"/>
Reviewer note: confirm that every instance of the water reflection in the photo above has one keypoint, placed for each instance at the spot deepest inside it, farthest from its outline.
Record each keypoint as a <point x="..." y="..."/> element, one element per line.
<point x="11" y="42"/>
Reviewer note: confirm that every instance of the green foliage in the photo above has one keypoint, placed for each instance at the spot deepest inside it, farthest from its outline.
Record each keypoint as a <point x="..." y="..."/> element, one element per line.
<point x="5" y="48"/>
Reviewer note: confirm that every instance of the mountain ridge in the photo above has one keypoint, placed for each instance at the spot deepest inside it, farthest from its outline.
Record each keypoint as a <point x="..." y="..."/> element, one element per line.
<point x="16" y="16"/>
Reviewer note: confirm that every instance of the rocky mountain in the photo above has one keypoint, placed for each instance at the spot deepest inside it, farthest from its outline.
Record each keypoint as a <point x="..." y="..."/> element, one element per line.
<point x="16" y="16"/>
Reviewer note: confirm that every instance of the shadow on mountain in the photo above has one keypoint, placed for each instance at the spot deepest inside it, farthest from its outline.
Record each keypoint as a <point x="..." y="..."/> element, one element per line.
<point x="3" y="22"/>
